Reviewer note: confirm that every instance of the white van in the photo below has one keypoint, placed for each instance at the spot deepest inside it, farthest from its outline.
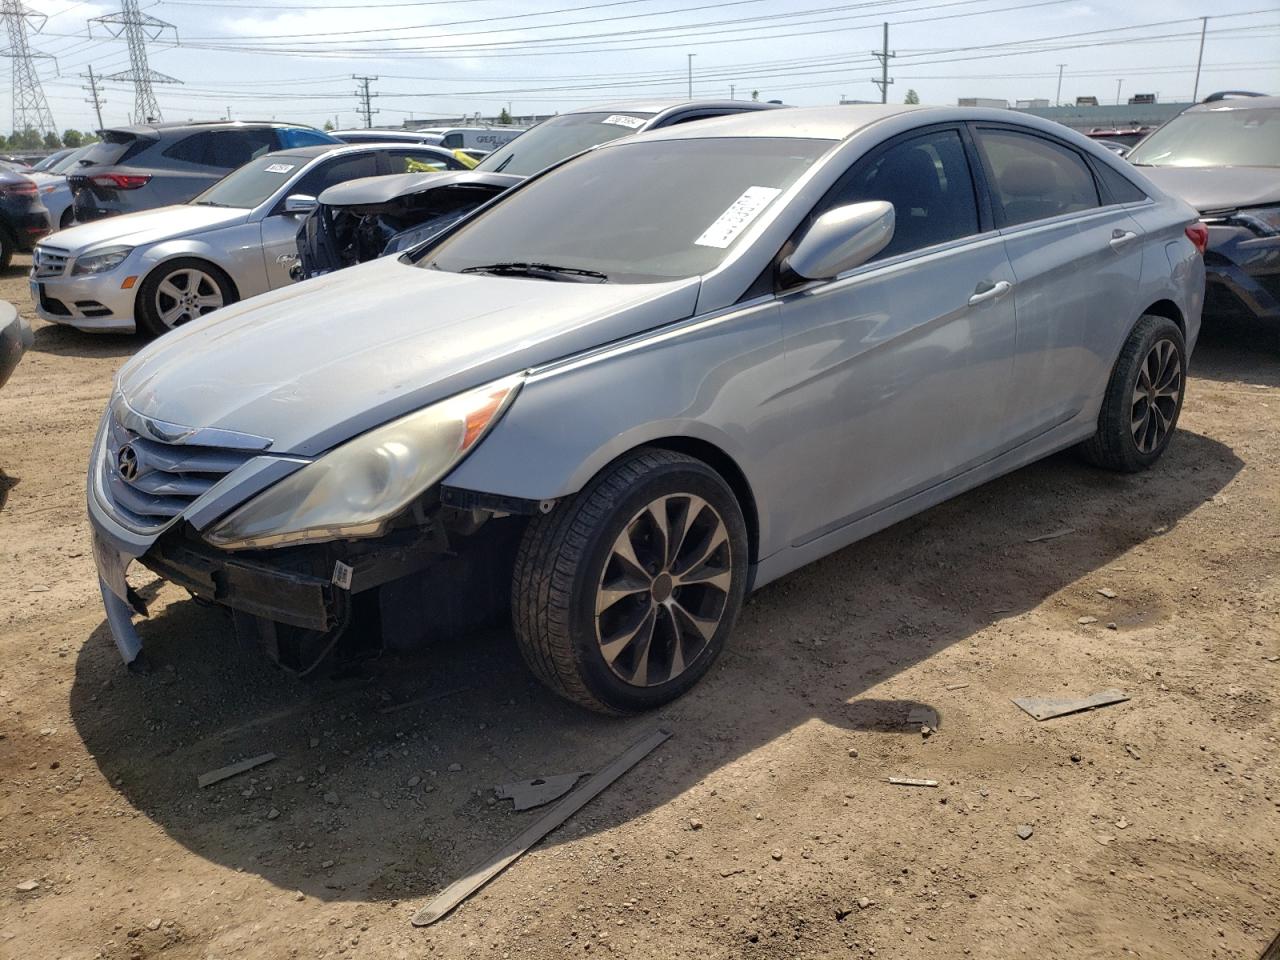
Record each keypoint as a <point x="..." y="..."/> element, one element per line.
<point x="478" y="138"/>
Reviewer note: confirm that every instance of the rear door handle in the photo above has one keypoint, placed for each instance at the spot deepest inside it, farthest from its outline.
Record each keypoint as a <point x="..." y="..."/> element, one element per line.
<point x="987" y="290"/>
<point x="1121" y="238"/>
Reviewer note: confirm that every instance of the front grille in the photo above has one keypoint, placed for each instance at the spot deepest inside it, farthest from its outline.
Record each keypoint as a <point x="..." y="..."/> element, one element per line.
<point x="149" y="481"/>
<point x="49" y="261"/>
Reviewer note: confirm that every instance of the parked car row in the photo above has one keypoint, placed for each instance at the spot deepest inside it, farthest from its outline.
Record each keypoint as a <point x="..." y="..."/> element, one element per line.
<point x="640" y="383"/>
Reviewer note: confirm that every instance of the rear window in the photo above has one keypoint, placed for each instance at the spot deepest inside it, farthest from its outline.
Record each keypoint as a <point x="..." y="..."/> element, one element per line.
<point x="118" y="149"/>
<point x="553" y="140"/>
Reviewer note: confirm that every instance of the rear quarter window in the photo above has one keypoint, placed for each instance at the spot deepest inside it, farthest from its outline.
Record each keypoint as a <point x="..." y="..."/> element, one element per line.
<point x="1120" y="187"/>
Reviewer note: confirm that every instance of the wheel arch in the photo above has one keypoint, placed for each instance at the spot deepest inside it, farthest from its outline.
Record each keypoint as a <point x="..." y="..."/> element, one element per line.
<point x="728" y="469"/>
<point x="170" y="256"/>
<point x="1167" y="309"/>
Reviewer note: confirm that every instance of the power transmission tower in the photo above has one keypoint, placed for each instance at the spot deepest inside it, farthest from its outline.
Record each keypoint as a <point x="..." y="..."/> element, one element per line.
<point x="137" y="28"/>
<point x="884" y="56"/>
<point x="366" y="100"/>
<point x="30" y="108"/>
<point x="95" y="94"/>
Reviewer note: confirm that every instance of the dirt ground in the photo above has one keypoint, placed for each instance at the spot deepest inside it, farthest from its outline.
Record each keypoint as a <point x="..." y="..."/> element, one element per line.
<point x="765" y="826"/>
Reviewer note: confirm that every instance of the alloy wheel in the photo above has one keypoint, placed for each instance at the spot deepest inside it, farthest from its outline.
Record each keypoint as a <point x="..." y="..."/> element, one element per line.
<point x="664" y="590"/>
<point x="187" y="294"/>
<point x="1156" y="395"/>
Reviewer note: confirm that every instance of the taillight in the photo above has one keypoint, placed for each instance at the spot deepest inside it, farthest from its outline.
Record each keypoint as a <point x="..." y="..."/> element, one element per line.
<point x="19" y="188"/>
<point x="1198" y="234"/>
<point x="121" y="181"/>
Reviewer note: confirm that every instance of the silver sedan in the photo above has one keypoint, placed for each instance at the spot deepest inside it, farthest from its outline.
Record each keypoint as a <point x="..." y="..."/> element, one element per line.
<point x="647" y="381"/>
<point x="160" y="268"/>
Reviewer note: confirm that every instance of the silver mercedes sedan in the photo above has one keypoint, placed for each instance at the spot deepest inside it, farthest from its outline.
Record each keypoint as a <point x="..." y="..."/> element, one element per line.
<point x="647" y="381"/>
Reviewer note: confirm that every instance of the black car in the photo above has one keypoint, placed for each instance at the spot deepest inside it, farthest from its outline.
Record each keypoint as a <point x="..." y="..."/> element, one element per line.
<point x="157" y="164"/>
<point x="23" y="217"/>
<point x="1223" y="157"/>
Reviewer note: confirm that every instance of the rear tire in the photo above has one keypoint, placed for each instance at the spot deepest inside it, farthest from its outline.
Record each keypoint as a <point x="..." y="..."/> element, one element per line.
<point x="623" y="596"/>
<point x="1143" y="400"/>
<point x="180" y="291"/>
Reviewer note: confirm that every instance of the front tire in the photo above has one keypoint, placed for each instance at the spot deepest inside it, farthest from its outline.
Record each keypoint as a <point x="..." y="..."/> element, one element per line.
<point x="623" y="596"/>
<point x="180" y="291"/>
<point x="1143" y="400"/>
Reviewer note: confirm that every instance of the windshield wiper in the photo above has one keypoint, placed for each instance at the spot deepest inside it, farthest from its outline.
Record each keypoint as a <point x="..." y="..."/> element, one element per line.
<point x="209" y="203"/>
<point x="503" y="165"/>
<point x="543" y="271"/>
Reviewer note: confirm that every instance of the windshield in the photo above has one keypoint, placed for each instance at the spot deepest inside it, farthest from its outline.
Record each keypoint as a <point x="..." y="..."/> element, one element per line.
<point x="1214" y="138"/>
<point x="71" y="160"/>
<point x="553" y="140"/>
<point x="636" y="213"/>
<point x="253" y="183"/>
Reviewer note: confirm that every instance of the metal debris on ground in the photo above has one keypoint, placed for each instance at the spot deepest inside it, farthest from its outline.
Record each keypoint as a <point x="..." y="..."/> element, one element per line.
<point x="231" y="770"/>
<point x="1132" y="751"/>
<point x="1046" y="708"/>
<point x="1053" y="535"/>
<point x="527" y="794"/>
<point x="923" y="718"/>
<point x="419" y="701"/>
<point x="459" y="890"/>
<point x="912" y="782"/>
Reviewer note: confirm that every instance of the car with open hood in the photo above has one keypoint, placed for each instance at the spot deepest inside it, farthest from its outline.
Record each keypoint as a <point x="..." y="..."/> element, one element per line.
<point x="1223" y="157"/>
<point x="645" y="382"/>
<point x="365" y="211"/>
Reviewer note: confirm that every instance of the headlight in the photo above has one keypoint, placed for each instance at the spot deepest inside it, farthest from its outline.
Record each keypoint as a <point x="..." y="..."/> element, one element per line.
<point x="102" y="261"/>
<point x="355" y="489"/>
<point x="1266" y="218"/>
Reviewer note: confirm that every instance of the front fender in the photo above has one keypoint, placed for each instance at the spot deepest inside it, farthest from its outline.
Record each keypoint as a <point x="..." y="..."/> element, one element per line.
<point x="233" y="263"/>
<point x="706" y="380"/>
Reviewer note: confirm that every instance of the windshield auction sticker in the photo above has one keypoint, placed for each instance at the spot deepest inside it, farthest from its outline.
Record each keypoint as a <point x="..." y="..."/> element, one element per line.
<point x="280" y="168"/>
<point x="622" y="120"/>
<point x="738" y="217"/>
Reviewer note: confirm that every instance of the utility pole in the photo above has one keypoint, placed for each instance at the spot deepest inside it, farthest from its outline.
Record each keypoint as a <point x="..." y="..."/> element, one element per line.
<point x="1204" y="27"/>
<point x="95" y="94"/>
<point x="1057" y="98"/>
<point x="1118" y="85"/>
<point x="366" y="99"/>
<point x="30" y="108"/>
<point x="691" y="56"/>
<point x="884" y="56"/>
<point x="137" y="28"/>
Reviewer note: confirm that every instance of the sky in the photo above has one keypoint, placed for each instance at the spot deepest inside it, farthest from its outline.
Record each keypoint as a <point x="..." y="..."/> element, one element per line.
<point x="295" y="60"/>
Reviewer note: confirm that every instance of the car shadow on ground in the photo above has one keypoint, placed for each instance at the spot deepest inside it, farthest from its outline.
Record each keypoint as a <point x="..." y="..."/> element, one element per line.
<point x="382" y="784"/>
<point x="1231" y="350"/>
<point x="54" y="338"/>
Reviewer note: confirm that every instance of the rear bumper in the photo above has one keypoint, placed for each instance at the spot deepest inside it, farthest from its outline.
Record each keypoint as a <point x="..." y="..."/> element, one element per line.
<point x="94" y="303"/>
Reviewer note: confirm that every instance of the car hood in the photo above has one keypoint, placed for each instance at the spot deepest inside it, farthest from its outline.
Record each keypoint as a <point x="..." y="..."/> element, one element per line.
<point x="1210" y="189"/>
<point x="147" y="226"/>
<point x="311" y="365"/>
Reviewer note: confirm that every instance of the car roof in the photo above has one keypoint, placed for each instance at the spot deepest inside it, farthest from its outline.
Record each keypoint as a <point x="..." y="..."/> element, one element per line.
<point x="367" y="132"/>
<point x="326" y="149"/>
<point x="811" y="123"/>
<point x="1236" y="103"/>
<point x="150" y="129"/>
<point x="670" y="103"/>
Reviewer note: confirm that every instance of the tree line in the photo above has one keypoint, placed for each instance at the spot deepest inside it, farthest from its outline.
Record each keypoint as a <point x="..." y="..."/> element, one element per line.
<point x="30" y="139"/>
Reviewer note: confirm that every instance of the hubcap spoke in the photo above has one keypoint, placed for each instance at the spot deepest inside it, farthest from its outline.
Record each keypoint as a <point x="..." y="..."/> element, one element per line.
<point x="664" y="589"/>
<point x="1156" y="395"/>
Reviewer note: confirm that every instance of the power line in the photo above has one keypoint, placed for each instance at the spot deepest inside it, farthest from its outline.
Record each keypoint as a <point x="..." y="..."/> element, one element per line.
<point x="30" y="108"/>
<point x="137" y="27"/>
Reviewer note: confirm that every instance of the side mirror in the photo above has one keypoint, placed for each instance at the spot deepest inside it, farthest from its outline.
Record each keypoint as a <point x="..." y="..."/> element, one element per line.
<point x="842" y="239"/>
<point x="299" y="203"/>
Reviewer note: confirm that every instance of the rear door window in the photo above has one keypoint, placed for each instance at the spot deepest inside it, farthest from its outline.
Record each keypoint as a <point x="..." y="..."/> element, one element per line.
<point x="422" y="161"/>
<point x="223" y="149"/>
<point x="1035" y="178"/>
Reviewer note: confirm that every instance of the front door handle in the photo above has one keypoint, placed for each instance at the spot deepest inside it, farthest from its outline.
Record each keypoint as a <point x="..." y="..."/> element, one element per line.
<point x="1121" y="238"/>
<point x="987" y="290"/>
